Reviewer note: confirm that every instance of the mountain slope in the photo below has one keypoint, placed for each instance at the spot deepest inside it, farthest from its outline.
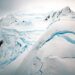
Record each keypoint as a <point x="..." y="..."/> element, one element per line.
<point x="55" y="51"/>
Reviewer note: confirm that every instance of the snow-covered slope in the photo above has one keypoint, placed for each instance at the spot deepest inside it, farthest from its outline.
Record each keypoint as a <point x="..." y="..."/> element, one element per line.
<point x="55" y="51"/>
<point x="19" y="33"/>
<point x="45" y="42"/>
<point x="56" y="15"/>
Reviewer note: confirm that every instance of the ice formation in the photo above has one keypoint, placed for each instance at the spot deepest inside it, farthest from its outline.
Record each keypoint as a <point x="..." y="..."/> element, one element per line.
<point x="48" y="55"/>
<point x="49" y="41"/>
<point x="18" y="33"/>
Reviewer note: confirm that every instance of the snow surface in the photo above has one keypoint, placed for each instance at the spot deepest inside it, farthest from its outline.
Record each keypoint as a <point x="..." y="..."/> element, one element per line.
<point x="19" y="34"/>
<point x="45" y="46"/>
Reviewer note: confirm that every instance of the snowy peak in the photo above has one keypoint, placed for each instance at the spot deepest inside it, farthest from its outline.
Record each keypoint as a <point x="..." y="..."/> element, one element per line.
<point x="66" y="10"/>
<point x="57" y="15"/>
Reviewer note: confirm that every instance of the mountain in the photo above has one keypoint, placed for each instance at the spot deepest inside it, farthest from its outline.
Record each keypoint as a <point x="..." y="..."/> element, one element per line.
<point x="57" y="15"/>
<point x="44" y="43"/>
<point x="54" y="53"/>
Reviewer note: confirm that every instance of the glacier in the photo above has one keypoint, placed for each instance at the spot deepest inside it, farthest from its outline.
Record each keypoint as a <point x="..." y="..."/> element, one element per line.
<point x="54" y="53"/>
<point x="48" y="41"/>
<point x="18" y="35"/>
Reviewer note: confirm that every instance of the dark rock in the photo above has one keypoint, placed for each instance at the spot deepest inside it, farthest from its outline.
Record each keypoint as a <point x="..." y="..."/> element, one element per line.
<point x="1" y="42"/>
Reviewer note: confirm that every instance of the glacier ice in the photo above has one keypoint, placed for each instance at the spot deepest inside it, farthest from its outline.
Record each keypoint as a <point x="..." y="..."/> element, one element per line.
<point x="18" y="34"/>
<point x="48" y="55"/>
<point x="49" y="41"/>
<point x="64" y="25"/>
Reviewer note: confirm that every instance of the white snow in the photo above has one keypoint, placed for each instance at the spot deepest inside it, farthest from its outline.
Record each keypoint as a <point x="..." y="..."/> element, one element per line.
<point x="53" y="52"/>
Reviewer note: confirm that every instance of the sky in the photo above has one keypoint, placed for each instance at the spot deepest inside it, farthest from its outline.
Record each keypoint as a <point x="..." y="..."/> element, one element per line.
<point x="38" y="6"/>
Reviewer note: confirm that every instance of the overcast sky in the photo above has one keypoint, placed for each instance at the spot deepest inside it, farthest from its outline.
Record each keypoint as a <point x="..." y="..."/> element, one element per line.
<point x="7" y="6"/>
